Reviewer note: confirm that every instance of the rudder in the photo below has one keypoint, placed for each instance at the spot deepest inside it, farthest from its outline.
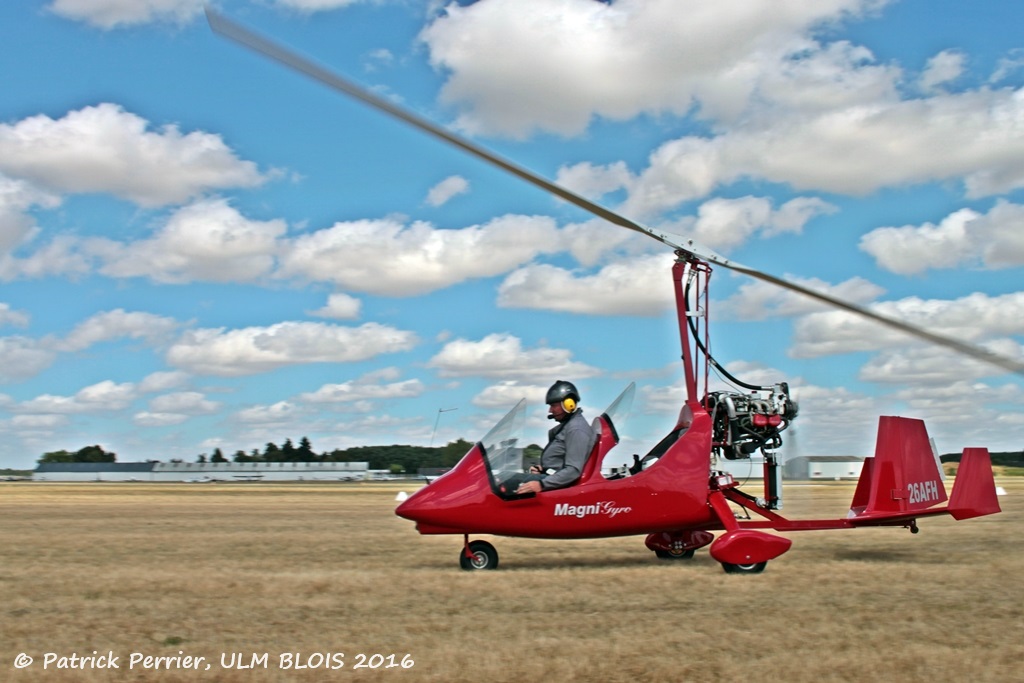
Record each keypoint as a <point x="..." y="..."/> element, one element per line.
<point x="904" y="475"/>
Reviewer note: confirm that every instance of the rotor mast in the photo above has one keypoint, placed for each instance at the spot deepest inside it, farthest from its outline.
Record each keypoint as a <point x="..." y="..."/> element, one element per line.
<point x="686" y="269"/>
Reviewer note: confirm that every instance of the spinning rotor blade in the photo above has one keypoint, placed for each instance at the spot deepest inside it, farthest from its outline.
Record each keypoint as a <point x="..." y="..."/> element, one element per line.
<point x="239" y="34"/>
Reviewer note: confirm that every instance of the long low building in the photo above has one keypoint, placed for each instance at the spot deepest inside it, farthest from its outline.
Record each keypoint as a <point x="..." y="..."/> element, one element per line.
<point x="201" y="471"/>
<point x="834" y="467"/>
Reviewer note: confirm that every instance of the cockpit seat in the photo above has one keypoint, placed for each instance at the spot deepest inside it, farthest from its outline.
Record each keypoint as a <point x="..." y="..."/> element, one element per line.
<point x="606" y="439"/>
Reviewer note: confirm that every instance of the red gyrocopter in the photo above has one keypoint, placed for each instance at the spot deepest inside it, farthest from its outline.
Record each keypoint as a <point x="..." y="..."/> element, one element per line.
<point x="677" y="494"/>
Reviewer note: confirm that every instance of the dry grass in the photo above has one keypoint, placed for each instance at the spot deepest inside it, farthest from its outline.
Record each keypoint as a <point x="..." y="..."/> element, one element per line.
<point x="206" y="569"/>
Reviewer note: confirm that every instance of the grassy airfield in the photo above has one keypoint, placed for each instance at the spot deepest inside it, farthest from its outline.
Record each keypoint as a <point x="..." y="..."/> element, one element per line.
<point x="267" y="576"/>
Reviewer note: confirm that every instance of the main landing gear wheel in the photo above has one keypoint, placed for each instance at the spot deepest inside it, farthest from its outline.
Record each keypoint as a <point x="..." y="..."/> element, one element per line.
<point x="674" y="554"/>
<point x="483" y="556"/>
<point x="754" y="568"/>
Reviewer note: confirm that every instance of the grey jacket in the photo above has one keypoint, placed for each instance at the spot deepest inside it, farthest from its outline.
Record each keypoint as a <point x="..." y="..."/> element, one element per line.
<point x="569" y="445"/>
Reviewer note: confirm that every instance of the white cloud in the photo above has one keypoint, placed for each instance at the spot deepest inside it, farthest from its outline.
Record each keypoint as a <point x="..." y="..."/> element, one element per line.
<point x="378" y="59"/>
<point x="388" y="258"/>
<point x="663" y="400"/>
<point x="502" y="356"/>
<point x="9" y="316"/>
<point x="108" y="14"/>
<point x="208" y="240"/>
<point x="253" y="350"/>
<point x="815" y="78"/>
<point x="175" y="408"/>
<point x="967" y="413"/>
<point x="282" y="412"/>
<point x="964" y="237"/>
<point x="971" y="137"/>
<point x="944" y="67"/>
<point x="363" y="389"/>
<point x="720" y="223"/>
<point x="22" y="357"/>
<point x="931" y="367"/>
<point x="60" y="257"/>
<point x="102" y="397"/>
<point x="725" y="223"/>
<point x="106" y="149"/>
<point x="590" y="241"/>
<point x="339" y="307"/>
<point x="793" y="105"/>
<point x="512" y="70"/>
<point x="16" y="198"/>
<point x="835" y="420"/>
<point x="311" y="6"/>
<point x="959" y="400"/>
<point x="117" y="324"/>
<point x="445" y="190"/>
<point x="504" y="395"/>
<point x="162" y="381"/>
<point x="379" y="427"/>
<point x="972" y="318"/>
<point x="185" y="403"/>
<point x="150" y="419"/>
<point x="35" y="423"/>
<point x="1008" y="65"/>
<point x="593" y="181"/>
<point x="637" y="286"/>
<point x="758" y="300"/>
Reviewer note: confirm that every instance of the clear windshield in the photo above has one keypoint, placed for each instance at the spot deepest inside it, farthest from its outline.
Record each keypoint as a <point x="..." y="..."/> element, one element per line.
<point x="501" y="444"/>
<point x="620" y="408"/>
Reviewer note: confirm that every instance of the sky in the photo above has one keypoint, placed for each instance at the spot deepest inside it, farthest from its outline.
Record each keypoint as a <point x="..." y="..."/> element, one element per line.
<point x="201" y="249"/>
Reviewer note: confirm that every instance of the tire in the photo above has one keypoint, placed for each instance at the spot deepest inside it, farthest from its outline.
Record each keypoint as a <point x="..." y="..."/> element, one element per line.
<point x="754" y="568"/>
<point x="484" y="556"/>
<point x="674" y="555"/>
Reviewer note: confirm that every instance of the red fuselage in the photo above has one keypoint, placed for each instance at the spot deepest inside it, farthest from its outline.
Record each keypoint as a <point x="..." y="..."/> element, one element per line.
<point x="669" y="496"/>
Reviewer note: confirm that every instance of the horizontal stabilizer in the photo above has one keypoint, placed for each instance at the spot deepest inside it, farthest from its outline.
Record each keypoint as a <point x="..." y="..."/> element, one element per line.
<point x="974" y="491"/>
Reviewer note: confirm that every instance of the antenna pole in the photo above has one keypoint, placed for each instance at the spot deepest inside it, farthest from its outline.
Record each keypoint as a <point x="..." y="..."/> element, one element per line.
<point x="436" y="421"/>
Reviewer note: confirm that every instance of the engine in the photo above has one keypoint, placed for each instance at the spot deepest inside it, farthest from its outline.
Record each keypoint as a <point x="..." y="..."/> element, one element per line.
<point x="746" y="423"/>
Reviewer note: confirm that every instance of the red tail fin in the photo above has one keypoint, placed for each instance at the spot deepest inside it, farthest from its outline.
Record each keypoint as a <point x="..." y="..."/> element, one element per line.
<point x="903" y="476"/>
<point x="974" y="492"/>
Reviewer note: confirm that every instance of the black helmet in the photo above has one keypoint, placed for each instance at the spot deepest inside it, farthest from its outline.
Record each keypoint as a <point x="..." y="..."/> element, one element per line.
<point x="560" y="391"/>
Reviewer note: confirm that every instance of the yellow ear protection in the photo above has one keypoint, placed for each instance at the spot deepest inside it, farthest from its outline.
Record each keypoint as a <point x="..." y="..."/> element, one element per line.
<point x="568" y="404"/>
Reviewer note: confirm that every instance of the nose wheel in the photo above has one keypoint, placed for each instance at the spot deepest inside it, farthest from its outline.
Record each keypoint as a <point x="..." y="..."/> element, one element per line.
<point x="752" y="568"/>
<point x="674" y="554"/>
<point x="478" y="555"/>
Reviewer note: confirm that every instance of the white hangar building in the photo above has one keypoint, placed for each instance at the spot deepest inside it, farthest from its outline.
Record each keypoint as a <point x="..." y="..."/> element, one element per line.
<point x="201" y="471"/>
<point x="834" y="467"/>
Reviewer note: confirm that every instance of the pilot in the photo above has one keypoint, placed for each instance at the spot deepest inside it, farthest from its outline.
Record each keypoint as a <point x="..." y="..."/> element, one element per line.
<point x="569" y="443"/>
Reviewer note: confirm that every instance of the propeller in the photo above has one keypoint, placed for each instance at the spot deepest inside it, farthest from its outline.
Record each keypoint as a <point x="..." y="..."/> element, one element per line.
<point x="262" y="45"/>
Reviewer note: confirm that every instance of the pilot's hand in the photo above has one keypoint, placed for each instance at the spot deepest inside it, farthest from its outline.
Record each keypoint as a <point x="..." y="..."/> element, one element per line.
<point x="529" y="487"/>
<point x="535" y="469"/>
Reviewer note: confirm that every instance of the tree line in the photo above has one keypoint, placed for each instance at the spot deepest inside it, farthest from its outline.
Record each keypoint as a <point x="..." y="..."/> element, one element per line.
<point x="394" y="457"/>
<point x="87" y="454"/>
<point x="397" y="458"/>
